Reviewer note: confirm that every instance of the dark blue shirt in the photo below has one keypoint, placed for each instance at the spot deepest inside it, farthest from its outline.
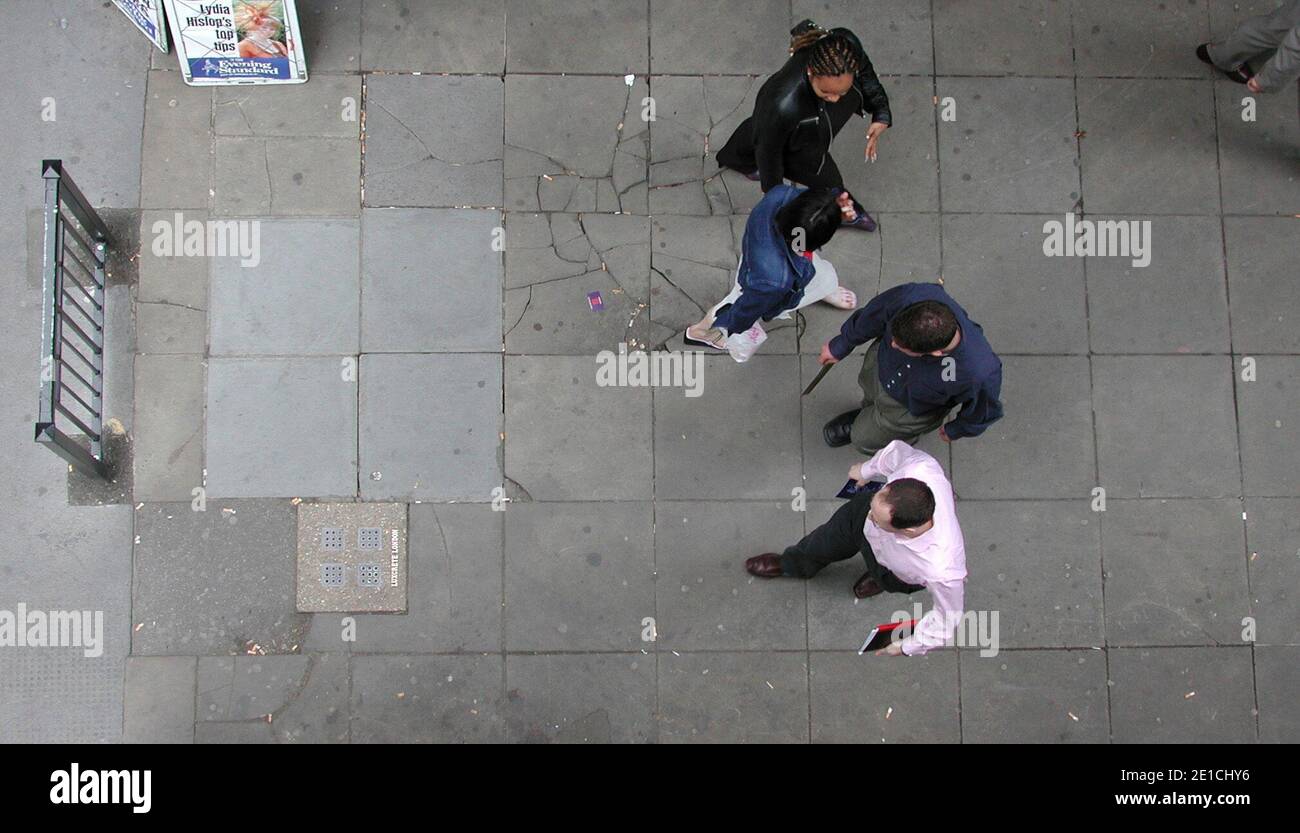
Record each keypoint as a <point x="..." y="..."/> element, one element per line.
<point x="918" y="382"/>
<point x="772" y="277"/>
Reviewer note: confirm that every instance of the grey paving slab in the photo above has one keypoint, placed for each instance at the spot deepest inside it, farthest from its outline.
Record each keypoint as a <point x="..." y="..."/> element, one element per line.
<point x="167" y="329"/>
<point x="836" y="620"/>
<point x="286" y="176"/>
<point x="1261" y="250"/>
<point x="990" y="161"/>
<point x="1149" y="145"/>
<point x="1037" y="564"/>
<point x="1034" y="697"/>
<point x="1043" y="445"/>
<point x="430" y="426"/>
<point x="1276" y="685"/>
<point x="58" y="695"/>
<point x="430" y="281"/>
<point x="733" y="698"/>
<point x="256" y="445"/>
<point x="705" y="599"/>
<point x="300" y="297"/>
<point x="593" y="698"/>
<point x="254" y="732"/>
<point x="159" y="705"/>
<point x="540" y="38"/>
<point x="168" y="432"/>
<point x="331" y="35"/>
<point x="1027" y="303"/>
<point x="1150" y="601"/>
<point x="1165" y="426"/>
<point x="453" y="595"/>
<point x="1273" y="544"/>
<point x="575" y="143"/>
<point x="175" y="142"/>
<point x="826" y="469"/>
<point x="416" y="156"/>
<point x="985" y="37"/>
<point x="559" y="420"/>
<point x="1225" y="15"/>
<point x="166" y="275"/>
<point x="694" y="118"/>
<point x="905" y="176"/>
<point x="1114" y="38"/>
<point x="1182" y="695"/>
<point x="217" y="581"/>
<point x="296" y="699"/>
<point x="329" y="106"/>
<point x="702" y="449"/>
<point x="579" y="576"/>
<point x="870" y="699"/>
<point x="1266" y="408"/>
<point x="554" y="262"/>
<point x="1176" y="304"/>
<point x="895" y="33"/>
<point x="433" y="36"/>
<point x="352" y="557"/>
<point x="404" y="699"/>
<point x="729" y="37"/>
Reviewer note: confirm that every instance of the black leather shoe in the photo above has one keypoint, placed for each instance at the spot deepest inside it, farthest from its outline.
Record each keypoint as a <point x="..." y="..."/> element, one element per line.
<point x="1241" y="74"/>
<point x="767" y="565"/>
<point x="866" y="587"/>
<point x="837" y="431"/>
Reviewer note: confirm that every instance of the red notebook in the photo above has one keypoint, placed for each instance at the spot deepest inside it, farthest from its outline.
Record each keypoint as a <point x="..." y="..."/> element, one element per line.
<point x="882" y="635"/>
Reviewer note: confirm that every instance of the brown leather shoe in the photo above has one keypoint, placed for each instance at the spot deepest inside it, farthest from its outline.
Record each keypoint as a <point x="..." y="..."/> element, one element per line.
<point x="866" y="587"/>
<point x="767" y="565"/>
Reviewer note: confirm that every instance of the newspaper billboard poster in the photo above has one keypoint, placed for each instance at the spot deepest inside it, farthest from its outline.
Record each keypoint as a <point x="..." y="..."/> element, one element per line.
<point x="238" y="41"/>
<point x="147" y="15"/>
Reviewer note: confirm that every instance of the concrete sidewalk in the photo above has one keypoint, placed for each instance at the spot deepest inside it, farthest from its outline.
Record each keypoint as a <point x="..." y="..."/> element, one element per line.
<point x="632" y="509"/>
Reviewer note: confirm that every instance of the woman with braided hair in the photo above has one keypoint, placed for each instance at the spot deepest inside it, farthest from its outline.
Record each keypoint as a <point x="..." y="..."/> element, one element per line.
<point x="802" y="107"/>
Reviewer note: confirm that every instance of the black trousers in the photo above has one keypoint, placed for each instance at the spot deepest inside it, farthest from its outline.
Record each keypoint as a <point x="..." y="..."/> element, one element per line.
<point x="839" y="539"/>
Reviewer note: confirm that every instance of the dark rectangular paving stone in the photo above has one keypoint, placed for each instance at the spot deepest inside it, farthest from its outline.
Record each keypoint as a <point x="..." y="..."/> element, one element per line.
<point x="540" y="38"/>
<point x="407" y="699"/>
<point x="1200" y="603"/>
<point x="1182" y="695"/>
<point x="984" y="37"/>
<point x="1165" y="426"/>
<point x="727" y="37"/>
<point x="559" y="420"/>
<point x="1266" y="411"/>
<point x="287" y="176"/>
<point x="179" y="171"/>
<point x="733" y="698"/>
<point x="316" y="109"/>
<point x="1034" y="697"/>
<point x="168" y="430"/>
<point x="159" y="705"/>
<point x="1273" y="544"/>
<point x="1277" y="675"/>
<point x="871" y="699"/>
<point x="1149" y="146"/>
<point x="592" y="698"/>
<point x="1259" y="156"/>
<point x="430" y="426"/>
<point x="298" y="699"/>
<point x="1037" y="565"/>
<point x="416" y="156"/>
<point x="433" y="36"/>
<point x="218" y="581"/>
<point x="705" y="600"/>
<point x="579" y="576"/>
<point x="896" y="36"/>
<point x="1260" y="251"/>
<point x="1118" y="38"/>
<point x="331" y="34"/>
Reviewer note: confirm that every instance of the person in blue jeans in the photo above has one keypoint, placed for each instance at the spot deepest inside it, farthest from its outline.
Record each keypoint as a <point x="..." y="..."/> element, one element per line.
<point x="779" y="269"/>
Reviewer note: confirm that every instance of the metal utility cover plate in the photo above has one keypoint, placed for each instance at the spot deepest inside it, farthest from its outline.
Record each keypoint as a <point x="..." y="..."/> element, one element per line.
<point x="352" y="558"/>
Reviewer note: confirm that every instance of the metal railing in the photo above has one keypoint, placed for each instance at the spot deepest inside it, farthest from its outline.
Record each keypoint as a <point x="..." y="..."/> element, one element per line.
<point x="72" y="325"/>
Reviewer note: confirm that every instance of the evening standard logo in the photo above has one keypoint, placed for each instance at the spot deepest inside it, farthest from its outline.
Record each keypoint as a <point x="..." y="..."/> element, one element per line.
<point x="220" y="67"/>
<point x="111" y="786"/>
<point x="23" y="628"/>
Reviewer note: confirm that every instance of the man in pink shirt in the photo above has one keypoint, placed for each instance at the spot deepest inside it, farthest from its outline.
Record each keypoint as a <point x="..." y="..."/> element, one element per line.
<point x="907" y="532"/>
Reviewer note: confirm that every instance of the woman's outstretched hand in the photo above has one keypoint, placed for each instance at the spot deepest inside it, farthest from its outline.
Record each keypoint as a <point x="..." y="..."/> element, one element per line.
<point x="873" y="137"/>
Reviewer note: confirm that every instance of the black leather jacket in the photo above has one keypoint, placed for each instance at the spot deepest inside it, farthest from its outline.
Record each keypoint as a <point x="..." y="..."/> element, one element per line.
<point x="789" y="117"/>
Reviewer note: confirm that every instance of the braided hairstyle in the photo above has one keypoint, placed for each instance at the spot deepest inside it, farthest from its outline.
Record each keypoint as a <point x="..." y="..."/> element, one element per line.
<point x="830" y="53"/>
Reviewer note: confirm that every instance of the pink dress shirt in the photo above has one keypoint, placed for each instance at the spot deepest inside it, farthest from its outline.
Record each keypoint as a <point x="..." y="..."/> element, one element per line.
<point x="936" y="559"/>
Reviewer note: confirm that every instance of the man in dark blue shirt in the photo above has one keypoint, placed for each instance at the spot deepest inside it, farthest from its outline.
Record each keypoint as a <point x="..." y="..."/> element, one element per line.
<point x="928" y="357"/>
